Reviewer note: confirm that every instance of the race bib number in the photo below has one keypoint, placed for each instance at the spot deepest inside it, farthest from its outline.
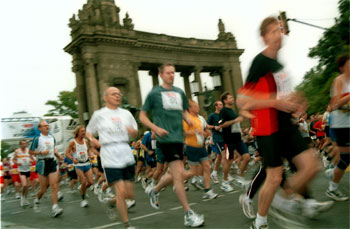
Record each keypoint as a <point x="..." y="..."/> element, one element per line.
<point x="154" y="144"/>
<point x="14" y="171"/>
<point x="283" y="84"/>
<point x="32" y="168"/>
<point x="70" y="167"/>
<point x="171" y="100"/>
<point x="82" y="156"/>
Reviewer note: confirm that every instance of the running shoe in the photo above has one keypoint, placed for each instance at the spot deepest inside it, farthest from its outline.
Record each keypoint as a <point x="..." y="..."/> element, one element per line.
<point x="336" y="195"/>
<point x="209" y="195"/>
<point x="197" y="184"/>
<point x="193" y="219"/>
<point x="18" y="195"/>
<point x="60" y="196"/>
<point x="226" y="187"/>
<point x="36" y="206"/>
<point x="247" y="206"/>
<point x="153" y="198"/>
<point x="57" y="211"/>
<point x="144" y="183"/>
<point x="111" y="213"/>
<point x="130" y="203"/>
<point x="253" y="226"/>
<point x="214" y="178"/>
<point x="96" y="188"/>
<point x="312" y="208"/>
<point x="84" y="204"/>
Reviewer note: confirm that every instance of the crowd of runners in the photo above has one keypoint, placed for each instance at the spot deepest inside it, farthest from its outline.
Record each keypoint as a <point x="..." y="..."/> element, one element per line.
<point x="184" y="149"/>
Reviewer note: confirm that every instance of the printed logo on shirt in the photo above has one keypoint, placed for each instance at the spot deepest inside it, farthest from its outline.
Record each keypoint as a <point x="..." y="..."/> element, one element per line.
<point x="283" y="84"/>
<point x="171" y="100"/>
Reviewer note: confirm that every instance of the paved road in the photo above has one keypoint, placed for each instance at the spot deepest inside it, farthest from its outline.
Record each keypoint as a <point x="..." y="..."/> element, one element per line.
<point x="223" y="212"/>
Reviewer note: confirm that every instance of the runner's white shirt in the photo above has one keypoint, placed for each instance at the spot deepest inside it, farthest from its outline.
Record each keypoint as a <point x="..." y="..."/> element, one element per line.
<point x="24" y="159"/>
<point x="110" y="125"/>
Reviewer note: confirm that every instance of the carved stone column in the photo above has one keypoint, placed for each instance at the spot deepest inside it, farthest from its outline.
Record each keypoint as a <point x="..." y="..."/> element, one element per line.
<point x="80" y="90"/>
<point x="91" y="86"/>
<point x="237" y="81"/>
<point x="134" y="86"/>
<point x="197" y="77"/>
<point x="226" y="80"/>
<point x="186" y="76"/>
<point x="101" y="79"/>
<point x="154" y="73"/>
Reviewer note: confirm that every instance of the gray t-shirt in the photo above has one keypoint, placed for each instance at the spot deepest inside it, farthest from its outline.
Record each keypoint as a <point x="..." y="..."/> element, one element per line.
<point x="167" y="108"/>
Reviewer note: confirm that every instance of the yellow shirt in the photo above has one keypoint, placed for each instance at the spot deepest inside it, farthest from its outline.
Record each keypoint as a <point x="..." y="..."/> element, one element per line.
<point x="194" y="140"/>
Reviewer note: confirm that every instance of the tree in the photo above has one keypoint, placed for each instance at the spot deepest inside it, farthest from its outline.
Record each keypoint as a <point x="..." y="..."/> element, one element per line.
<point x="65" y="105"/>
<point x="5" y="149"/>
<point x="335" y="42"/>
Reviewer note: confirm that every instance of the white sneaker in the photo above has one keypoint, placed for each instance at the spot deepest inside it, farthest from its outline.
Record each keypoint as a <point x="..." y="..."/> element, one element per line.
<point x="36" y="206"/>
<point x="226" y="187"/>
<point x="247" y="206"/>
<point x="84" y="203"/>
<point x="57" y="211"/>
<point x="209" y="195"/>
<point x="21" y="202"/>
<point x="214" y="178"/>
<point x="230" y="178"/>
<point x="311" y="207"/>
<point x="100" y="196"/>
<point x="18" y="195"/>
<point x="193" y="219"/>
<point x="130" y="203"/>
<point x="59" y="196"/>
<point x="96" y="188"/>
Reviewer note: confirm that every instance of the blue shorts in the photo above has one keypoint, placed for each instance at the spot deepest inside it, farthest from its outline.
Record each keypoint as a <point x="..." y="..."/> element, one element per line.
<point x="114" y="174"/>
<point x="218" y="147"/>
<point x="196" y="155"/>
<point x="83" y="168"/>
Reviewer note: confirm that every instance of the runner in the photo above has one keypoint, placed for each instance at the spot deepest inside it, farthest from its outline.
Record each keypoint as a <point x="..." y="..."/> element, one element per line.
<point x="113" y="125"/>
<point x="43" y="147"/>
<point x="197" y="156"/>
<point x="78" y="151"/>
<point x="231" y="132"/>
<point x="23" y="159"/>
<point x="340" y="124"/>
<point x="267" y="94"/>
<point x="168" y="105"/>
<point x="218" y="145"/>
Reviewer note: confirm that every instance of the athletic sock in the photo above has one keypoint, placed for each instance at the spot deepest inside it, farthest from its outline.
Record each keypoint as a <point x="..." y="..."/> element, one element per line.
<point x="214" y="173"/>
<point x="333" y="186"/>
<point x="260" y="220"/>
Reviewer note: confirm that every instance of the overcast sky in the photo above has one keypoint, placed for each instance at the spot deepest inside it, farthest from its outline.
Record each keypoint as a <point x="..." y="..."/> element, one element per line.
<point x="34" y="67"/>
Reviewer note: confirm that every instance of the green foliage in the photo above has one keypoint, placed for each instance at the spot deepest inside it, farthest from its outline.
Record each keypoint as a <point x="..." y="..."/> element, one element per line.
<point x="334" y="43"/>
<point x="5" y="149"/>
<point x="65" y="105"/>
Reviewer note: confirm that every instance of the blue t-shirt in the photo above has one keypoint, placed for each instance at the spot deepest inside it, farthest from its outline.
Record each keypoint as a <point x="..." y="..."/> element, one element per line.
<point x="147" y="141"/>
<point x="213" y="120"/>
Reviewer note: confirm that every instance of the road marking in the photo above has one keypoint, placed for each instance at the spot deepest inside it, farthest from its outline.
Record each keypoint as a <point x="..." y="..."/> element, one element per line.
<point x="16" y="212"/>
<point x="107" y="225"/>
<point x="144" y="216"/>
<point x="175" y="208"/>
<point x="73" y="201"/>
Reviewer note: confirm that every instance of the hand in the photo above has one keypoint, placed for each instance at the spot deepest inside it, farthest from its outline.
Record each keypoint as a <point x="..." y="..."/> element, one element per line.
<point x="161" y="132"/>
<point x="45" y="152"/>
<point x="217" y="128"/>
<point x="239" y="119"/>
<point x="150" y="152"/>
<point x="200" y="132"/>
<point x="75" y="161"/>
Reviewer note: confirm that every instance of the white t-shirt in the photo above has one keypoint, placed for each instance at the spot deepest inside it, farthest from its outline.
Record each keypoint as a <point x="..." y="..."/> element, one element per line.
<point x="110" y="125"/>
<point x="24" y="159"/>
<point x="43" y="143"/>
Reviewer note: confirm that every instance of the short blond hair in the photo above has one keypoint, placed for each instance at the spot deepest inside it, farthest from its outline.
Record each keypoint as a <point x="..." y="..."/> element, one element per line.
<point x="265" y="23"/>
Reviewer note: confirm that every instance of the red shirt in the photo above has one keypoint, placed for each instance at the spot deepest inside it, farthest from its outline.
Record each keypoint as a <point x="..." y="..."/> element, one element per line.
<point x="319" y="125"/>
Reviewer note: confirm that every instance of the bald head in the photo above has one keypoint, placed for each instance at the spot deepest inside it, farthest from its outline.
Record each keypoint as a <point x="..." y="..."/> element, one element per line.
<point x="112" y="97"/>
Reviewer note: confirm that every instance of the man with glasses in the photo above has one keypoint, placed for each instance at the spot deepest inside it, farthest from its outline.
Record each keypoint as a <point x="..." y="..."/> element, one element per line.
<point x="43" y="147"/>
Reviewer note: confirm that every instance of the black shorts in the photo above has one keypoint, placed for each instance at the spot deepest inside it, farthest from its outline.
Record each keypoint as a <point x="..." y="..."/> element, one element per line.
<point x="343" y="136"/>
<point x="27" y="174"/>
<point x="72" y="175"/>
<point x="241" y="148"/>
<point x="99" y="163"/>
<point x="8" y="177"/>
<point x="326" y="130"/>
<point x="46" y="166"/>
<point x="285" y="144"/>
<point x="171" y="151"/>
<point x="114" y="174"/>
<point x="152" y="163"/>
